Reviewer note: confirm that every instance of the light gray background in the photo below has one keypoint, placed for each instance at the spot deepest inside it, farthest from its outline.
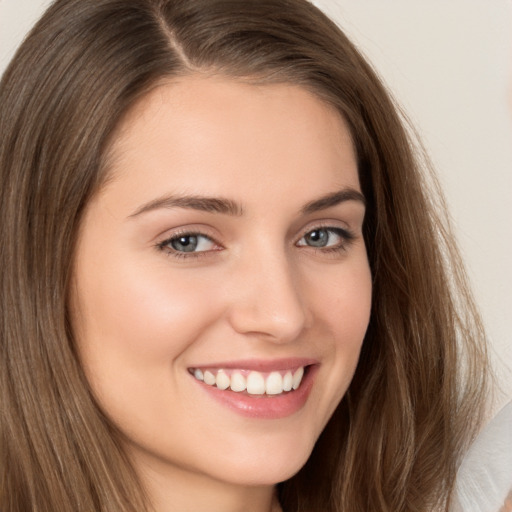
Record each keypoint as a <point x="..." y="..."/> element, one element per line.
<point x="449" y="63"/>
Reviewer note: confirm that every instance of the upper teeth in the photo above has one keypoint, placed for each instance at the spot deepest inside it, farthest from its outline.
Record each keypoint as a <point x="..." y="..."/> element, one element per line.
<point x="255" y="383"/>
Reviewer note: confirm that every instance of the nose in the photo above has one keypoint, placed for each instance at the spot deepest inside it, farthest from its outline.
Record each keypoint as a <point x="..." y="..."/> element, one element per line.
<point x="265" y="299"/>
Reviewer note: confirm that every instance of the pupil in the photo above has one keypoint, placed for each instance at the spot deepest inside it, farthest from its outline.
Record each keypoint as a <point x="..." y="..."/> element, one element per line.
<point x="317" y="238"/>
<point x="185" y="243"/>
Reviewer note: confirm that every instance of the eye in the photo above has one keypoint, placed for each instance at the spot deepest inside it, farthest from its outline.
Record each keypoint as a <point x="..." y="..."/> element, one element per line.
<point x="188" y="243"/>
<point x="329" y="237"/>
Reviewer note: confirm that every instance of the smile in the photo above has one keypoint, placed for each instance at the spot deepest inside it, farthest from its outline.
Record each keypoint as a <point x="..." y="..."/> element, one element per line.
<point x="258" y="389"/>
<point x="253" y="382"/>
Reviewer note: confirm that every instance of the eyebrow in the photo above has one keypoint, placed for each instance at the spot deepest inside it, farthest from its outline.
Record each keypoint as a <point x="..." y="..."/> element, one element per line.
<point x="229" y="207"/>
<point x="201" y="203"/>
<point x="333" y="199"/>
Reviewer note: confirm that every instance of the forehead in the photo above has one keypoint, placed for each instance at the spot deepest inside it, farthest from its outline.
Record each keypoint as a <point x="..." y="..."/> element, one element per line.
<point x="212" y="132"/>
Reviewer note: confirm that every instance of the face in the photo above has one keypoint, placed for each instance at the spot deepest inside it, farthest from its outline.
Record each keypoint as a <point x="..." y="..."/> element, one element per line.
<point x="221" y="287"/>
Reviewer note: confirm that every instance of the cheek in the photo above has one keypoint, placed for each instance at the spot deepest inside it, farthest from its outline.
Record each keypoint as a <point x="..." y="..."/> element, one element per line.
<point x="141" y="310"/>
<point x="344" y="302"/>
<point x="133" y="322"/>
<point x="345" y="308"/>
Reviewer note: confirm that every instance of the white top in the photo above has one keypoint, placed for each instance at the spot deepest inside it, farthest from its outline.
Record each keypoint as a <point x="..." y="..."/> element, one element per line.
<point x="484" y="480"/>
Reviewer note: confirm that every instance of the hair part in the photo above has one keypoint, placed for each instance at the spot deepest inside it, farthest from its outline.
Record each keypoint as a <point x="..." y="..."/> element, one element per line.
<point x="416" y="398"/>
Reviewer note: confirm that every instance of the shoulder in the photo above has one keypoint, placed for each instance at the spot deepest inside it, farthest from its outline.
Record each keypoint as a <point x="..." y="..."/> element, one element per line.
<point x="484" y="479"/>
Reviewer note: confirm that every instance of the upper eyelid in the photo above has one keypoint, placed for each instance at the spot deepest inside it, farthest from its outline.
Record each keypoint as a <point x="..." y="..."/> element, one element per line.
<point x="167" y="241"/>
<point x="346" y="234"/>
<point x="164" y="244"/>
<point x="328" y="225"/>
<point x="171" y="234"/>
<point x="201" y="231"/>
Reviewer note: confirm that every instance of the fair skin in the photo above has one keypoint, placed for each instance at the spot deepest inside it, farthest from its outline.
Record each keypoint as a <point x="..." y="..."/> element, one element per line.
<point x="265" y="279"/>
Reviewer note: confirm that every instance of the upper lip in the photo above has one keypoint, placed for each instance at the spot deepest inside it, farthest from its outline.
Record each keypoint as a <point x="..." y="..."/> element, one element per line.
<point x="261" y="365"/>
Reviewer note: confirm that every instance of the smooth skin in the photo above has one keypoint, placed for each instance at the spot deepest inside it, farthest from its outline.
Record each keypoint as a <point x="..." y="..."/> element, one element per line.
<point x="162" y="285"/>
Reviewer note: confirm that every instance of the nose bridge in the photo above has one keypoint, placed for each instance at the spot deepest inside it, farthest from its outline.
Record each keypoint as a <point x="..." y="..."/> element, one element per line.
<point x="268" y="299"/>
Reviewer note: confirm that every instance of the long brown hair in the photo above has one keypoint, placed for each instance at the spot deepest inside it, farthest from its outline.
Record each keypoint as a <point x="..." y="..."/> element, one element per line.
<point x="416" y="399"/>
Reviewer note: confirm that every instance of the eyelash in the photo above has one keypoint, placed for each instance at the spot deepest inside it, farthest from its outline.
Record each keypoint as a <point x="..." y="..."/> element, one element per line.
<point x="165" y="245"/>
<point x="346" y="236"/>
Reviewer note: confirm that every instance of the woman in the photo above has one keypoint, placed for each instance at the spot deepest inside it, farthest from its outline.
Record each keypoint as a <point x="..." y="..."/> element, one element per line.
<point x="226" y="282"/>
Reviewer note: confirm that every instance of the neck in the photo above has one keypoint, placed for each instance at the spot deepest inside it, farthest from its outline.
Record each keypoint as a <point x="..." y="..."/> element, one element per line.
<point x="172" y="489"/>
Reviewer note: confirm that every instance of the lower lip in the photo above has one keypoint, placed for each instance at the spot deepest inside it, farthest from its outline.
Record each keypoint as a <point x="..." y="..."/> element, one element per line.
<point x="265" y="406"/>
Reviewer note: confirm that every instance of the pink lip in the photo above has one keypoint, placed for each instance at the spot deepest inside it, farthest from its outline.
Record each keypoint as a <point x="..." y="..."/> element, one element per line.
<point x="261" y="365"/>
<point x="264" y="406"/>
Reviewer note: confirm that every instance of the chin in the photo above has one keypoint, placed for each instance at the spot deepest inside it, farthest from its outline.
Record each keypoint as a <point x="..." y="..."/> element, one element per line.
<point x="266" y="463"/>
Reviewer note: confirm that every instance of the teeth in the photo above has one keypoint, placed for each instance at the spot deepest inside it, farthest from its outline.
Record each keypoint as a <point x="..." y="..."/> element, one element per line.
<point x="274" y="384"/>
<point x="256" y="383"/>
<point x="297" y="377"/>
<point x="288" y="381"/>
<point x="222" y="380"/>
<point x="209" y="378"/>
<point x="238" y="382"/>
